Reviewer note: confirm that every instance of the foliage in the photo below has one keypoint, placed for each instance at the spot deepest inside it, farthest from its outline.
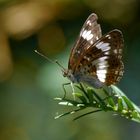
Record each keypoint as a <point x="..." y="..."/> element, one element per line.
<point x="105" y="99"/>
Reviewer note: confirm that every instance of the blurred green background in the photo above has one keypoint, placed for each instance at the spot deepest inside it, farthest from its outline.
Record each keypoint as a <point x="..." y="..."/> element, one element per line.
<point x="28" y="83"/>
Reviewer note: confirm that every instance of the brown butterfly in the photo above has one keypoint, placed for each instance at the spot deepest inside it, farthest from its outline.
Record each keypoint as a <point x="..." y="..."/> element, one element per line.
<point x="95" y="59"/>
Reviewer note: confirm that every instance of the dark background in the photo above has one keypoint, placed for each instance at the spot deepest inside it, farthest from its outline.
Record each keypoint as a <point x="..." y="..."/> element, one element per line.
<point x="28" y="82"/>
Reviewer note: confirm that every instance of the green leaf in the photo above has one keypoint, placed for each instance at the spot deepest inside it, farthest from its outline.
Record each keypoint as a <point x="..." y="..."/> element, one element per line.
<point x="120" y="104"/>
<point x="73" y="102"/>
<point x="94" y="111"/>
<point x="114" y="100"/>
<point x="68" y="113"/>
<point x="101" y="101"/>
<point x="81" y="97"/>
<point x="65" y="103"/>
<point x="110" y="96"/>
<point x="81" y="87"/>
<point x="135" y="114"/>
<point x="110" y="101"/>
<point x="91" y="98"/>
<point x="128" y="103"/>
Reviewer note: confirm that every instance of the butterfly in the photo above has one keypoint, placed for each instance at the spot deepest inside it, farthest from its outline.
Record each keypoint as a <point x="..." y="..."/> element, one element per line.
<point x="95" y="59"/>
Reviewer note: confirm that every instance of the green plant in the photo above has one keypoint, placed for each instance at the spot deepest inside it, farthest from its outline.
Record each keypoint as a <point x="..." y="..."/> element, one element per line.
<point x="105" y="99"/>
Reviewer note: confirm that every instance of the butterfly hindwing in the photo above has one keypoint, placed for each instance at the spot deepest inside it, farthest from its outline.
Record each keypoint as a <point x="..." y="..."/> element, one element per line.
<point x="103" y="59"/>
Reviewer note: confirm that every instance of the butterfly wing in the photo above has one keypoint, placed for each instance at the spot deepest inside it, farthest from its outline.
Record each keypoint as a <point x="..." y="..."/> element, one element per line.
<point x="90" y="32"/>
<point x="103" y="59"/>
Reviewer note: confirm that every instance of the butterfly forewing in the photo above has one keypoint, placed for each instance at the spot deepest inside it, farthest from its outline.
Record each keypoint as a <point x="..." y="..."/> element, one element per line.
<point x="90" y="33"/>
<point x="103" y="59"/>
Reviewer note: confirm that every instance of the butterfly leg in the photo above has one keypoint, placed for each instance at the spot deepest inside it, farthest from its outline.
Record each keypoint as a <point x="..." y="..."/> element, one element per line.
<point x="63" y="86"/>
<point x="73" y="91"/>
<point x="72" y="87"/>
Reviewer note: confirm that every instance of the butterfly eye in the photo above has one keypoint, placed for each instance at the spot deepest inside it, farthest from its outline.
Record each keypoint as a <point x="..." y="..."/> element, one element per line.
<point x="65" y="73"/>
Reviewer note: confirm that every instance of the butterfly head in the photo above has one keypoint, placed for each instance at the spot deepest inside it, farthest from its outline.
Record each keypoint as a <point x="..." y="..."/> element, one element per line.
<point x="65" y="72"/>
<point x="68" y="73"/>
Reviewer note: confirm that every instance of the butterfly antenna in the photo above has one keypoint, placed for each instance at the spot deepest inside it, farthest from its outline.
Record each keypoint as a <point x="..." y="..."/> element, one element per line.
<point x="59" y="65"/>
<point x="39" y="53"/>
<point x="55" y="62"/>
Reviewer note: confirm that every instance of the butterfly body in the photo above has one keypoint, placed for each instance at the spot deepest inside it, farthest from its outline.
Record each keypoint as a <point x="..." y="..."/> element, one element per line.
<point x="96" y="59"/>
<point x="82" y="78"/>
